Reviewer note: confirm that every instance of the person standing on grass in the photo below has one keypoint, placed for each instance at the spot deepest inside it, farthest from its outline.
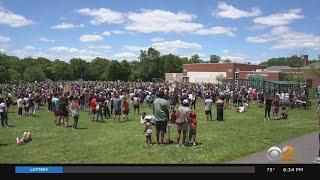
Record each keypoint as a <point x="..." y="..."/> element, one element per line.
<point x="226" y="100"/>
<point x="99" y="108"/>
<point x="49" y="97"/>
<point x="63" y="111"/>
<point x="148" y="130"/>
<point x="193" y="101"/>
<point x="318" y="113"/>
<point x="75" y="112"/>
<point x="125" y="108"/>
<point x="82" y="102"/>
<point x="193" y="128"/>
<point x="183" y="126"/>
<point x="93" y="107"/>
<point x="106" y="110"/>
<point x="31" y="105"/>
<point x="55" y="109"/>
<point x="267" y="108"/>
<point x="26" y="105"/>
<point x="161" y="116"/>
<point x="20" y="105"/>
<point x="116" y="107"/>
<point x="136" y="104"/>
<point x="276" y="105"/>
<point x="4" y="113"/>
<point x="207" y="107"/>
<point x="219" y="105"/>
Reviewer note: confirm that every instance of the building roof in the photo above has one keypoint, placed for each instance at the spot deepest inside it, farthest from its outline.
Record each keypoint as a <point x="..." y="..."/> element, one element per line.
<point x="277" y="68"/>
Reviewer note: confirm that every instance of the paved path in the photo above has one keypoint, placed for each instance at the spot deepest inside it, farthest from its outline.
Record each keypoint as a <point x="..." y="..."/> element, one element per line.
<point x="306" y="146"/>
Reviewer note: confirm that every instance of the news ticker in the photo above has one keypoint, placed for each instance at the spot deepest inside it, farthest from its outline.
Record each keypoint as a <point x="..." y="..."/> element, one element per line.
<point x="223" y="169"/>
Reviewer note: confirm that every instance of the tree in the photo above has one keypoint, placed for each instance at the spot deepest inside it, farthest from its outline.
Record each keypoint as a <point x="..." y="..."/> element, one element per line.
<point x="115" y="70"/>
<point x="79" y="68"/>
<point x="172" y="63"/>
<point x="214" y="59"/>
<point x="97" y="68"/>
<point x="195" y="59"/>
<point x="135" y="69"/>
<point x="221" y="78"/>
<point x="34" y="73"/>
<point x="125" y="70"/>
<point x="61" y="70"/>
<point x="13" y="74"/>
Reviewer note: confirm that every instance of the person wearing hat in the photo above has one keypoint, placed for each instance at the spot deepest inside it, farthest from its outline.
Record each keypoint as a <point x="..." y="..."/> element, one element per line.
<point x="182" y="127"/>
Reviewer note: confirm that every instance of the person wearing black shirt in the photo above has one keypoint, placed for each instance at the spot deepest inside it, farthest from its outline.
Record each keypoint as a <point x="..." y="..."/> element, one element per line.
<point x="219" y="105"/>
<point x="267" y="108"/>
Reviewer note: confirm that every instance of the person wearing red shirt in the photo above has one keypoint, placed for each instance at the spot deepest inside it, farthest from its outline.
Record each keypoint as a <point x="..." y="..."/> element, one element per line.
<point x="276" y="105"/>
<point x="93" y="107"/>
<point x="193" y="128"/>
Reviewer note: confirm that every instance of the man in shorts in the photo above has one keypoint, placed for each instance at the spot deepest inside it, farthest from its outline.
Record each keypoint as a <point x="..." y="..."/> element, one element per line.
<point x="207" y="107"/>
<point x="116" y="108"/>
<point x="161" y="116"/>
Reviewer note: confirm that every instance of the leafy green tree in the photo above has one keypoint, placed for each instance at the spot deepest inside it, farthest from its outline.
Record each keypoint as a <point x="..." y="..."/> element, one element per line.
<point x="115" y="70"/>
<point x="221" y="79"/>
<point x="214" y="58"/>
<point x="79" y="68"/>
<point x="195" y="59"/>
<point x="135" y="70"/>
<point x="97" y="68"/>
<point x="13" y="74"/>
<point x="125" y="71"/>
<point x="62" y="70"/>
<point x="172" y="63"/>
<point x="34" y="73"/>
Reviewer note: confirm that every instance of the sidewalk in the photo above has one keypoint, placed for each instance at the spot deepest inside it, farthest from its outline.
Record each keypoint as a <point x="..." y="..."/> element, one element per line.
<point x="306" y="146"/>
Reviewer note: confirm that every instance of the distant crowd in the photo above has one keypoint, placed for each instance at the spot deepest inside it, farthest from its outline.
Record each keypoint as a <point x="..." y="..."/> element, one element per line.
<point x="171" y="103"/>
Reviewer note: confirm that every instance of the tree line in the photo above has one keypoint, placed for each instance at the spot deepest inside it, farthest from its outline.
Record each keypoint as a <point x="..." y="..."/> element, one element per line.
<point x="150" y="64"/>
<point x="292" y="61"/>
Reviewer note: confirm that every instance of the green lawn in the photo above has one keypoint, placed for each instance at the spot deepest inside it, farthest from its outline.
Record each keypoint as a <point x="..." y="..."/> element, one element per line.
<point x="107" y="142"/>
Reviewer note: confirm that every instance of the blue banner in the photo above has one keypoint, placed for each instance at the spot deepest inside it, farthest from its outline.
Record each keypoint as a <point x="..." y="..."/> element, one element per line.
<point x="39" y="169"/>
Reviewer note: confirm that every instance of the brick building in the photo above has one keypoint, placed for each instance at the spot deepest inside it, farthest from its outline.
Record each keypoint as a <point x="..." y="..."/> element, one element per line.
<point x="208" y="72"/>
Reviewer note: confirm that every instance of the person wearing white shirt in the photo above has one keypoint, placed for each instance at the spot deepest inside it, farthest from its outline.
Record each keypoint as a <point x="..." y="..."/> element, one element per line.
<point x="3" y="113"/>
<point x="20" y="106"/>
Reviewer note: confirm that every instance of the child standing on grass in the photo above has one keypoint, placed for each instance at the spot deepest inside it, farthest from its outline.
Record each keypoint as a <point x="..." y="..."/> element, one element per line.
<point x="75" y="112"/>
<point x="193" y="128"/>
<point x="148" y="130"/>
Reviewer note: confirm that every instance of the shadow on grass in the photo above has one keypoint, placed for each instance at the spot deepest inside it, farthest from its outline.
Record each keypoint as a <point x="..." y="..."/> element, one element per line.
<point x="4" y="145"/>
<point x="103" y="121"/>
<point x="81" y="128"/>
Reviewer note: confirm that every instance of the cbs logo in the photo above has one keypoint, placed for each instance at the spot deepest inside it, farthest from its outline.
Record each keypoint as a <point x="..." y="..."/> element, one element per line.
<point x="286" y="154"/>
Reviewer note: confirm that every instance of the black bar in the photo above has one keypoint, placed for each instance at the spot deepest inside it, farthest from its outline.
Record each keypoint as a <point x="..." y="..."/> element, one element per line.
<point x="159" y="169"/>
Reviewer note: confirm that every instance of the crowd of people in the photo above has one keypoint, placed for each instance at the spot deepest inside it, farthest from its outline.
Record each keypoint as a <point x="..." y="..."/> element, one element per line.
<point x="171" y="103"/>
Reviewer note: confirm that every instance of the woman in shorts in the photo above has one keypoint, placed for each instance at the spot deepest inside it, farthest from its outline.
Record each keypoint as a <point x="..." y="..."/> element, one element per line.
<point x="125" y="108"/>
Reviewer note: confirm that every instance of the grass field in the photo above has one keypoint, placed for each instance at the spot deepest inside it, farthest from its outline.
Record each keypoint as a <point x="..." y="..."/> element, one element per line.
<point x="107" y="142"/>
